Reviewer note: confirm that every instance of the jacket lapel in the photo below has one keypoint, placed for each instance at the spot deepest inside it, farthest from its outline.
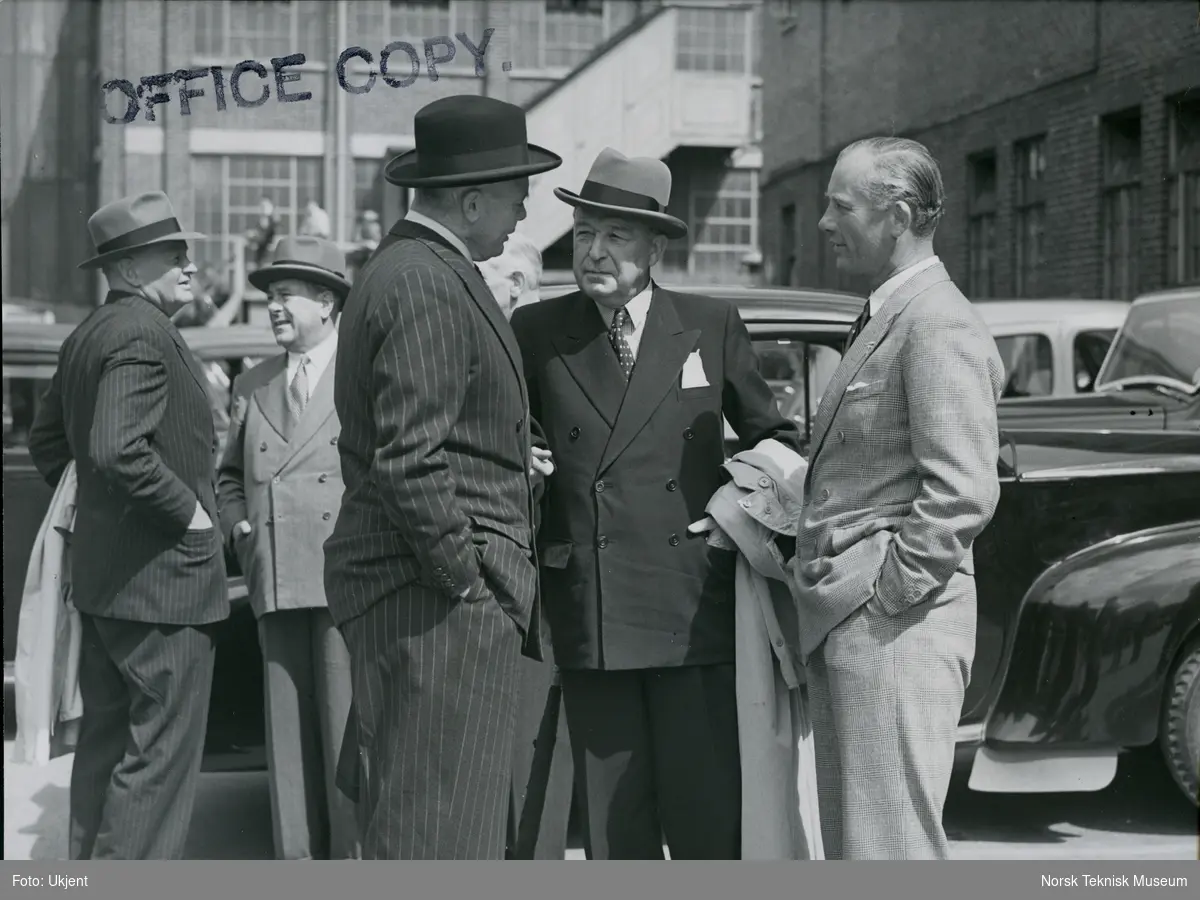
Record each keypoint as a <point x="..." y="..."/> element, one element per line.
<point x="589" y="357"/>
<point x="316" y="412"/>
<point x="870" y="338"/>
<point x="271" y="395"/>
<point x="165" y="323"/>
<point x="663" y="350"/>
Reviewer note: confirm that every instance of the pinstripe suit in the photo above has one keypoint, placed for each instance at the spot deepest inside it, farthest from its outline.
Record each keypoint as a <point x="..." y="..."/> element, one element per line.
<point x="435" y="449"/>
<point x="129" y="405"/>
<point x="902" y="478"/>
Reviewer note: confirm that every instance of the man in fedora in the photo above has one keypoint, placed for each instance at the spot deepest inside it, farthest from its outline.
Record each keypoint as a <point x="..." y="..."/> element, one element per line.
<point x="630" y="383"/>
<point x="279" y="487"/>
<point x="128" y="404"/>
<point x="430" y="572"/>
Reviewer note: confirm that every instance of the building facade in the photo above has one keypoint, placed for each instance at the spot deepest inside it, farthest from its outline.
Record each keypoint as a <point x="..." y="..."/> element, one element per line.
<point x="673" y="80"/>
<point x="1068" y="134"/>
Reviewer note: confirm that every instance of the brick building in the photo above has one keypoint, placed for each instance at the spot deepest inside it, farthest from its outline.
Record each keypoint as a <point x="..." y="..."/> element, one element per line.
<point x="1068" y="134"/>
<point x="673" y="80"/>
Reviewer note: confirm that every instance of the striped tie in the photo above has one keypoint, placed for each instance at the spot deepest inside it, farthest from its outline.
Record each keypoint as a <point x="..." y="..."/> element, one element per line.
<point x="616" y="337"/>
<point x="298" y="390"/>
<point x="856" y="329"/>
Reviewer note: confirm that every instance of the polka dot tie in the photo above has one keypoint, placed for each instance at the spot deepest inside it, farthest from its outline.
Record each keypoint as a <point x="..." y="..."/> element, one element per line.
<point x="616" y="336"/>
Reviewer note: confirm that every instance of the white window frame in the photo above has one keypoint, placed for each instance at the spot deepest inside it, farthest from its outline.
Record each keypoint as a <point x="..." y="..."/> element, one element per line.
<point x="694" y="221"/>
<point x="463" y="65"/>
<point x="540" y="70"/>
<point x="225" y="57"/>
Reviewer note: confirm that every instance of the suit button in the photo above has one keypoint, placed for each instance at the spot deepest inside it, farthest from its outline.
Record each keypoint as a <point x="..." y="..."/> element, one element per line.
<point x="673" y="540"/>
<point x="671" y="485"/>
<point x="764" y="482"/>
<point x="333" y="441"/>
<point x="842" y="436"/>
<point x="262" y="446"/>
<point x="575" y="433"/>
<point x="325" y="516"/>
<point x="275" y="480"/>
<point x="324" y="478"/>
<point x="520" y="422"/>
<point x="688" y="434"/>
<point x="602" y="542"/>
<point x="825" y="494"/>
<point x="600" y="486"/>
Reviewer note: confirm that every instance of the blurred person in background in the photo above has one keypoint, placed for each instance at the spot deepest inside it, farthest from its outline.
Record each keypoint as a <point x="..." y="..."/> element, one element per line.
<point x="516" y="274"/>
<point x="368" y="233"/>
<point x="279" y="486"/>
<point x="260" y="239"/>
<point x="315" y="222"/>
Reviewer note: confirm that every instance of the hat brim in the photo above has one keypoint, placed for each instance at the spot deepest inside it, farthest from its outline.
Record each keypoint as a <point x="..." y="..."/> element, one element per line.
<point x="263" y="278"/>
<point x="102" y="258"/>
<point x="403" y="171"/>
<point x="668" y="225"/>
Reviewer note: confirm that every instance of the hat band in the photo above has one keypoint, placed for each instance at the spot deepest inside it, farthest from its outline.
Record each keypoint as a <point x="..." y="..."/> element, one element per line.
<point x="307" y="265"/>
<point x="142" y="235"/>
<point x="432" y="163"/>
<point x="613" y="196"/>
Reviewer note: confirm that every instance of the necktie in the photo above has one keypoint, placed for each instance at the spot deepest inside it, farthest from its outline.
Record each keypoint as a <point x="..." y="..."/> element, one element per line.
<point x="298" y="390"/>
<point x="856" y="329"/>
<point x="616" y="337"/>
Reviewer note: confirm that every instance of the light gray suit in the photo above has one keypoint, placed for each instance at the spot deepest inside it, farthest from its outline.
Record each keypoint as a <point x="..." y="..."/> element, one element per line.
<point x="902" y="478"/>
<point x="286" y="482"/>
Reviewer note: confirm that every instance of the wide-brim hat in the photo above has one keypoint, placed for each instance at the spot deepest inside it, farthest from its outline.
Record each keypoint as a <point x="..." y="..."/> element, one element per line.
<point x="630" y="187"/>
<point x="131" y="223"/>
<point x="466" y="139"/>
<point x="310" y="259"/>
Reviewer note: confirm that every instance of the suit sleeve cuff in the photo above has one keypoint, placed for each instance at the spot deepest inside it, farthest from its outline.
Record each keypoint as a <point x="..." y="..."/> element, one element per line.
<point x="453" y="564"/>
<point x="897" y="592"/>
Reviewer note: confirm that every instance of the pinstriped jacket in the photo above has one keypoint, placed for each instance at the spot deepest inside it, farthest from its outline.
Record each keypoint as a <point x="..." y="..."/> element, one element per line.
<point x="130" y="405"/>
<point x="902" y="467"/>
<point x="435" y="439"/>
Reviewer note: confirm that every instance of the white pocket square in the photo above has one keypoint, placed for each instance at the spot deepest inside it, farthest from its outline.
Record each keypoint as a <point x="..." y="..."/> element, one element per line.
<point x="858" y="386"/>
<point x="693" y="372"/>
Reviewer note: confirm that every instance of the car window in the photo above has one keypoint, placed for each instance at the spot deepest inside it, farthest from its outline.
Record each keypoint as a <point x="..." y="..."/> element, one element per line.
<point x="1028" y="365"/>
<point x="22" y="397"/>
<point x="1089" y="350"/>
<point x="782" y="364"/>
<point x="1158" y="340"/>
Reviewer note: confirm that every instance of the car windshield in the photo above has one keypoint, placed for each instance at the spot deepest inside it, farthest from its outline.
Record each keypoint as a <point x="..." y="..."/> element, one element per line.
<point x="1159" y="342"/>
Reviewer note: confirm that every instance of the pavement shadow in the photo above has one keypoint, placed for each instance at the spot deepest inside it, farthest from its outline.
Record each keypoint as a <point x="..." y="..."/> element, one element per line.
<point x="49" y="828"/>
<point x="1143" y="799"/>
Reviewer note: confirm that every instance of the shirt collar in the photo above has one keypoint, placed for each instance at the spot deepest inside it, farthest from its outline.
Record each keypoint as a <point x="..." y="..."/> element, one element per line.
<point x="433" y="225"/>
<point x="320" y="355"/>
<point x="884" y="292"/>
<point x="638" y="308"/>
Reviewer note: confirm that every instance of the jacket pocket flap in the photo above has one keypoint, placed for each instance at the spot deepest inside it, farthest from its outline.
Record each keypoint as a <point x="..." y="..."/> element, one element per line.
<point x="555" y="554"/>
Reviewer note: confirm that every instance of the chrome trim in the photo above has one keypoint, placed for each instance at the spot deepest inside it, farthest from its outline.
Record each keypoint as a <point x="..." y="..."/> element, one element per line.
<point x="1114" y="468"/>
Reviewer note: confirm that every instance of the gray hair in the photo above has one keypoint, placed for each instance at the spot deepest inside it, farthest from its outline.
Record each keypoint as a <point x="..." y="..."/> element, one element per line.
<point x="526" y="251"/>
<point x="440" y="198"/>
<point x="905" y="170"/>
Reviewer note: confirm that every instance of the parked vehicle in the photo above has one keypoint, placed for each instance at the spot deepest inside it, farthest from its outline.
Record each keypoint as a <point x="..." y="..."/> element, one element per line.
<point x="1051" y="348"/>
<point x="1088" y="577"/>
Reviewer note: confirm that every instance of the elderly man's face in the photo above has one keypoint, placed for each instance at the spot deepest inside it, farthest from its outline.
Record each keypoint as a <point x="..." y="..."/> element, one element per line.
<point x="301" y="313"/>
<point x="613" y="256"/>
<point x="164" y="271"/>
<point x="499" y="207"/>
<point x="863" y="237"/>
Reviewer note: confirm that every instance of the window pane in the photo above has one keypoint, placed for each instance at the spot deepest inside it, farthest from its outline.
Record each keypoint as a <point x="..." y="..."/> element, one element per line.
<point x="781" y="363"/>
<point x="22" y="397"/>
<point x="260" y="29"/>
<point x="1089" y="350"/>
<point x="1028" y="363"/>
<point x="711" y="40"/>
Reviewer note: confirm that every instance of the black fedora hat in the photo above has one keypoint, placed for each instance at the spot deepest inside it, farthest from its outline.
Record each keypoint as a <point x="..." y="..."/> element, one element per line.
<point x="310" y="259"/>
<point x="467" y="139"/>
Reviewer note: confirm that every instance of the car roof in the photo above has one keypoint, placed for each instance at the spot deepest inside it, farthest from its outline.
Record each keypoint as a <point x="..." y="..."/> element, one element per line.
<point x="207" y="343"/>
<point x="1102" y="313"/>
<point x="1179" y="293"/>
<point x="763" y="304"/>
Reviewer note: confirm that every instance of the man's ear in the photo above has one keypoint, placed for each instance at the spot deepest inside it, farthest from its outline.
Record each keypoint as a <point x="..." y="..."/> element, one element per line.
<point x="658" y="245"/>
<point x="902" y="217"/>
<point x="518" y="284"/>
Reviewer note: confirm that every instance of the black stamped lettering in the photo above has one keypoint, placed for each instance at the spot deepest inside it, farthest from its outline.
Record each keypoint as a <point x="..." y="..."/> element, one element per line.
<point x="479" y="51"/>
<point x="280" y="63"/>
<point x="248" y="65"/>
<point x="432" y="61"/>
<point x="186" y="94"/>
<point x="131" y="101"/>
<point x="346" y="56"/>
<point x="412" y="55"/>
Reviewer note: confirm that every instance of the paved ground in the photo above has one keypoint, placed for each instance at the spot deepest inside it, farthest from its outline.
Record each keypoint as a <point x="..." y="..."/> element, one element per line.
<point x="1141" y="816"/>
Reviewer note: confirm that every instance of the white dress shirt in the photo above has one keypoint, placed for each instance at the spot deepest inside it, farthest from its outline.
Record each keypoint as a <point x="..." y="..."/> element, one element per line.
<point x="455" y="241"/>
<point x="638" y="308"/>
<point x="319" y="358"/>
<point x="884" y="292"/>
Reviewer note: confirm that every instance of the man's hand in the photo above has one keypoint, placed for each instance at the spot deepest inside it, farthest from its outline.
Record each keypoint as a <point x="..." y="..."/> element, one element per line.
<point x="716" y="537"/>
<point x="241" y="530"/>
<point x="200" y="520"/>
<point x="541" y="462"/>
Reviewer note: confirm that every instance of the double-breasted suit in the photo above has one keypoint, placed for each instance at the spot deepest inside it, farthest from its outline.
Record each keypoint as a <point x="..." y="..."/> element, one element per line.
<point x="902" y="478"/>
<point x="435" y="454"/>
<point x="283" y="476"/>
<point x="640" y="612"/>
<point x="128" y="404"/>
